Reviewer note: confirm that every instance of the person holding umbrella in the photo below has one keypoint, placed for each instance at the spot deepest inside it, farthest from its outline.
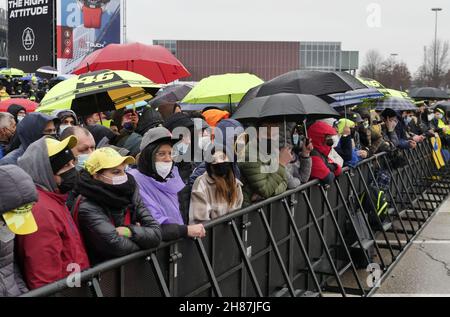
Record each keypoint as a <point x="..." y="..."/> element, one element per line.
<point x="266" y="177"/>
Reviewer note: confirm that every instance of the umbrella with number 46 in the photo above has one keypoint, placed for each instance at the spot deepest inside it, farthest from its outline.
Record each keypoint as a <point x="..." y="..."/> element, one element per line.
<point x="99" y="91"/>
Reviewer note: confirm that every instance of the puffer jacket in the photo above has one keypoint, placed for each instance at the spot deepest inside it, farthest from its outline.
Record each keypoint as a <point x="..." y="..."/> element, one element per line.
<point x="100" y="236"/>
<point x="258" y="183"/>
<point x="11" y="282"/>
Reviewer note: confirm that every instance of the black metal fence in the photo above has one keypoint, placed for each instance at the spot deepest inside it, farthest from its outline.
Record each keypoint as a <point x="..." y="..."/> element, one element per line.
<point x="310" y="241"/>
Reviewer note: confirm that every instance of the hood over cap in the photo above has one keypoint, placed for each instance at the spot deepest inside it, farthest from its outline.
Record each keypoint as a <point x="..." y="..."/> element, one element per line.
<point x="36" y="162"/>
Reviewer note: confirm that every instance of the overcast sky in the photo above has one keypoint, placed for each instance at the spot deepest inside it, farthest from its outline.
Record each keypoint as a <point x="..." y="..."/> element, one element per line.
<point x="402" y="27"/>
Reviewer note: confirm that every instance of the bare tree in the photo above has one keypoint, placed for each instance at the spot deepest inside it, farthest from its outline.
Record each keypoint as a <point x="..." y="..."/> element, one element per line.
<point x="373" y="63"/>
<point x="435" y="65"/>
<point x="394" y="74"/>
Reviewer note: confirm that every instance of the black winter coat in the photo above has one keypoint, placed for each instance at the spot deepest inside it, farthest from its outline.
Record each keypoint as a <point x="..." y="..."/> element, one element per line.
<point x="98" y="227"/>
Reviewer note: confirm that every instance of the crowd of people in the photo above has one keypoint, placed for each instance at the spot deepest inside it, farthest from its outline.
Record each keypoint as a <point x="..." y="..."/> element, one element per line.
<point x="30" y="87"/>
<point x="83" y="190"/>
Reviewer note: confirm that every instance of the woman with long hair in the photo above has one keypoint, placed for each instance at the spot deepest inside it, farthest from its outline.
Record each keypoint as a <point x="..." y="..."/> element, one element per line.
<point x="217" y="192"/>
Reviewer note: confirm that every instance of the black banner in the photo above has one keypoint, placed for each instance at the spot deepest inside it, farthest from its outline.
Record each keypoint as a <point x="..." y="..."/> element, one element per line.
<point x="30" y="34"/>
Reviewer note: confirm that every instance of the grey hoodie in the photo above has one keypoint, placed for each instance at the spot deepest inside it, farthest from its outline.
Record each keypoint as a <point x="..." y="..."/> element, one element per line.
<point x="36" y="163"/>
<point x="16" y="189"/>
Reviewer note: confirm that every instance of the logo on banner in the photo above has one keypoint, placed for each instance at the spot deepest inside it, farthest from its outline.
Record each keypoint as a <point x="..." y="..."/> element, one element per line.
<point x="28" y="39"/>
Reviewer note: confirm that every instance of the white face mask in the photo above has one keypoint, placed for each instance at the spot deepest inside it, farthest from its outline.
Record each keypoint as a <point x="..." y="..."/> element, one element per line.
<point x="440" y="116"/>
<point x="20" y="118"/>
<point x="336" y="140"/>
<point x="117" y="180"/>
<point x="62" y="127"/>
<point x="204" y="142"/>
<point x="163" y="168"/>
<point x="430" y="117"/>
<point x="180" y="149"/>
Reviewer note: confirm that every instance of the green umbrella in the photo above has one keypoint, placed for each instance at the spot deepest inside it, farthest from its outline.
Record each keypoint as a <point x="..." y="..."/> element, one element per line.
<point x="99" y="91"/>
<point x="222" y="89"/>
<point x="12" y="72"/>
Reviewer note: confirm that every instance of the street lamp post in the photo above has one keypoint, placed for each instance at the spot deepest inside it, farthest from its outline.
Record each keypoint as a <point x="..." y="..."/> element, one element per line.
<point x="435" y="66"/>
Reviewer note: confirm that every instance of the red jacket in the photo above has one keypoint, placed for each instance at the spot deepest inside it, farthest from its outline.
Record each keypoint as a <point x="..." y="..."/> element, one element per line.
<point x="317" y="132"/>
<point x="46" y="254"/>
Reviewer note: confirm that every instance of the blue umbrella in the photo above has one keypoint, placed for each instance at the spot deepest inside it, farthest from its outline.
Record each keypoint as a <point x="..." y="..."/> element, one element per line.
<point x="396" y="104"/>
<point x="354" y="97"/>
<point x="29" y="77"/>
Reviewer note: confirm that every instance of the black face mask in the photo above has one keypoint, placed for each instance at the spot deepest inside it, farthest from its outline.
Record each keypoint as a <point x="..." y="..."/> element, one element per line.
<point x="329" y="142"/>
<point x="69" y="179"/>
<point x="221" y="169"/>
<point x="54" y="136"/>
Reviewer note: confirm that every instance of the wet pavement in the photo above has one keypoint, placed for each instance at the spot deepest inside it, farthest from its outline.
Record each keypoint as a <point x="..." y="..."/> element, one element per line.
<point x="425" y="268"/>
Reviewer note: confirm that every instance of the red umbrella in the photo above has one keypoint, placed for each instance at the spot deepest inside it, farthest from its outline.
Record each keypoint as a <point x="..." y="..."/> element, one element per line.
<point x="152" y="61"/>
<point x="29" y="105"/>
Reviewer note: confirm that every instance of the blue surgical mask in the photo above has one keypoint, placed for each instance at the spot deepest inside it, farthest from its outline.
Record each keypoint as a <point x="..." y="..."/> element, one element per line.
<point x="81" y="159"/>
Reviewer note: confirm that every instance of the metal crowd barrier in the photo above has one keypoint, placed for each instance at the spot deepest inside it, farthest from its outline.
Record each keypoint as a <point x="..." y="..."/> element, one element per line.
<point x="312" y="241"/>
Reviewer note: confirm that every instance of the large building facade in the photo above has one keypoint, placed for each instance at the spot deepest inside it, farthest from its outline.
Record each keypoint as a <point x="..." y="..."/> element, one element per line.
<point x="327" y="56"/>
<point x="264" y="59"/>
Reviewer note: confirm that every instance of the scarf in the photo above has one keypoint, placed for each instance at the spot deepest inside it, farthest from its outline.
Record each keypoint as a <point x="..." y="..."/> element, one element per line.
<point x="112" y="197"/>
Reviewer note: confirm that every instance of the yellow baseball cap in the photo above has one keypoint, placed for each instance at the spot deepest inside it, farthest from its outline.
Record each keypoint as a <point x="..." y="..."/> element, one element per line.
<point x="105" y="158"/>
<point x="21" y="221"/>
<point x="54" y="146"/>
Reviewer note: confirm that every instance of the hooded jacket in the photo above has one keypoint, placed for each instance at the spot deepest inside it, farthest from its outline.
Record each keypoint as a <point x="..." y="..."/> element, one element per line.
<point x="17" y="190"/>
<point x="149" y="119"/>
<point x="15" y="109"/>
<point x="323" y="168"/>
<point x="46" y="255"/>
<point x="29" y="130"/>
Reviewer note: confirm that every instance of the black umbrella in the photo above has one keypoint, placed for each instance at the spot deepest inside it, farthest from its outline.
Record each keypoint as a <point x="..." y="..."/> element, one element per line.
<point x="315" y="83"/>
<point x="47" y="72"/>
<point x="283" y="106"/>
<point x="443" y="105"/>
<point x="173" y="93"/>
<point x="428" y="93"/>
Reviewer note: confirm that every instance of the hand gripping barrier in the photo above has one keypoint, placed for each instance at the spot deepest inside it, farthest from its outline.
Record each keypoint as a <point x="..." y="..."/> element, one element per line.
<point x="312" y="241"/>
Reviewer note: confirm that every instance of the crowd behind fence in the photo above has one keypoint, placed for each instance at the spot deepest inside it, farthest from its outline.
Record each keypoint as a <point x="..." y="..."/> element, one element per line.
<point x="310" y="241"/>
